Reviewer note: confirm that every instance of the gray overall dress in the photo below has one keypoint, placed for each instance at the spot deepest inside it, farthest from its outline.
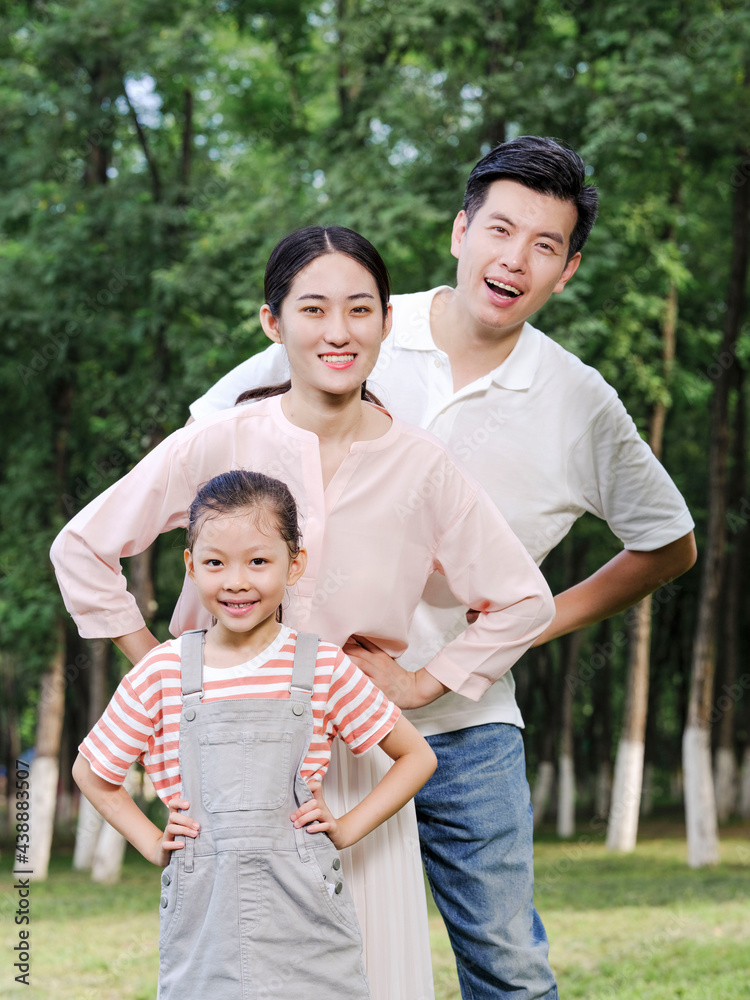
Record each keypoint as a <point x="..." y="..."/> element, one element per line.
<point x="252" y="909"/>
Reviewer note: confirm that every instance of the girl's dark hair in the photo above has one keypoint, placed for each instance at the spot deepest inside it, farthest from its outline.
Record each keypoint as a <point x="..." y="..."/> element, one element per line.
<point x="269" y="499"/>
<point x="295" y="252"/>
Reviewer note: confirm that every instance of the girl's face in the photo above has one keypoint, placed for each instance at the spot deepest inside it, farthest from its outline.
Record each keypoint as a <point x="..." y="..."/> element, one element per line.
<point x="331" y="324"/>
<point x="242" y="567"/>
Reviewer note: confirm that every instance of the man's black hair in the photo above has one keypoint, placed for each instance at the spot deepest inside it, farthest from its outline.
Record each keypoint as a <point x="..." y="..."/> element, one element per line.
<point x="542" y="165"/>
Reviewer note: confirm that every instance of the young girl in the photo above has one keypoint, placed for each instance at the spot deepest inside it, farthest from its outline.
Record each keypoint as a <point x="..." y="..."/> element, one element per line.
<point x="255" y="894"/>
<point x="384" y="507"/>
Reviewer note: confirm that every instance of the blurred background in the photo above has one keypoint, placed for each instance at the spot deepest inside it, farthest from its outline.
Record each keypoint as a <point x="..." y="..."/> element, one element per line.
<point x="153" y="153"/>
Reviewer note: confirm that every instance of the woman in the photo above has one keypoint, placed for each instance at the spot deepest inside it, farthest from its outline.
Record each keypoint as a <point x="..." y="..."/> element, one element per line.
<point x="383" y="505"/>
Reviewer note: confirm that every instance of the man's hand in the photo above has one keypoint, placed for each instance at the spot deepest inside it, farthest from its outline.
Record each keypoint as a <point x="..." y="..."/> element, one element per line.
<point x="178" y="825"/>
<point x="406" y="689"/>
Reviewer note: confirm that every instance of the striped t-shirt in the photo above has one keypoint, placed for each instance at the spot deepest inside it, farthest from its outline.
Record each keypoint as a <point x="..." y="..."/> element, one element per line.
<point x="142" y="721"/>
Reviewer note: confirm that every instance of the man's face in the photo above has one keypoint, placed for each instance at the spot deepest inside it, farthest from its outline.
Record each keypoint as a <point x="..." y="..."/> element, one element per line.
<point x="513" y="254"/>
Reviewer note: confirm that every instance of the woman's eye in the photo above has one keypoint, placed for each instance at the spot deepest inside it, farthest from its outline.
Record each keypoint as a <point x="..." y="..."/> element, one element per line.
<point x="213" y="563"/>
<point x="258" y="562"/>
<point x="361" y="309"/>
<point x="312" y="309"/>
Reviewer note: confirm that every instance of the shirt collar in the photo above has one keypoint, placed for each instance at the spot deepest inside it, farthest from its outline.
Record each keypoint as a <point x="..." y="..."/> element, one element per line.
<point x="412" y="333"/>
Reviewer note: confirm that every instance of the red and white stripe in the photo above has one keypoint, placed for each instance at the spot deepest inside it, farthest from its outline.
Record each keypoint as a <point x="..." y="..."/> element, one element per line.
<point x="142" y="721"/>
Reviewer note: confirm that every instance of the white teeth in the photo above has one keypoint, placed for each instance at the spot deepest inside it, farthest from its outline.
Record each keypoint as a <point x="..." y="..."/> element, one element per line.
<point x="500" y="284"/>
<point x="337" y="358"/>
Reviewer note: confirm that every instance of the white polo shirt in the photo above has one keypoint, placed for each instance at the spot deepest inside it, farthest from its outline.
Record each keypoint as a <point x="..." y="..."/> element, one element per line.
<point x="544" y="434"/>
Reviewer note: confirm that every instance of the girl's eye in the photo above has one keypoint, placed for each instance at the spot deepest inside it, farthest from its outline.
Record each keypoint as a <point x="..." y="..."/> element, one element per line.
<point x="258" y="562"/>
<point x="361" y="309"/>
<point x="213" y="562"/>
<point x="312" y="309"/>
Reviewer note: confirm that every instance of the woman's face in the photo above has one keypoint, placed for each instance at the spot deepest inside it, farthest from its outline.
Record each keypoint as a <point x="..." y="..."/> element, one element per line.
<point x="331" y="324"/>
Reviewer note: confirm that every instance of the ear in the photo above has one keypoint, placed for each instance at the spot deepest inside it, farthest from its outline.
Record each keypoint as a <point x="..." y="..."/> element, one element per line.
<point x="460" y="225"/>
<point x="387" y="322"/>
<point x="189" y="566"/>
<point x="570" y="269"/>
<point x="270" y="323"/>
<point x="297" y="567"/>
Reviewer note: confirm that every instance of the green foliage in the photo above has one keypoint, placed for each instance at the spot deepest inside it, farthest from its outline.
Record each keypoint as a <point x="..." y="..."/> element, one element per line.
<point x="154" y="153"/>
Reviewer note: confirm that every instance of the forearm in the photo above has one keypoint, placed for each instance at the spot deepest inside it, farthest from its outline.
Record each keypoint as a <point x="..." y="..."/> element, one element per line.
<point x="414" y="762"/>
<point x="117" y="807"/>
<point x="135" y="645"/>
<point x="620" y="583"/>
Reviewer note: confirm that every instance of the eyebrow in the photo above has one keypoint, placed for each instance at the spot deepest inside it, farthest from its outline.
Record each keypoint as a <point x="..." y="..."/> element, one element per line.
<point x="555" y="237"/>
<point x="324" y="298"/>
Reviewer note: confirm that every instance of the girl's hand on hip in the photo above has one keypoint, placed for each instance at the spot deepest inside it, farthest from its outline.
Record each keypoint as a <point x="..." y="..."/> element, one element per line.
<point x="178" y="825"/>
<point x="317" y="817"/>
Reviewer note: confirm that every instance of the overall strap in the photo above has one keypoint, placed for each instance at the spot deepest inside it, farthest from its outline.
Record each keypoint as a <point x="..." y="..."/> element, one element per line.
<point x="305" y="655"/>
<point x="191" y="667"/>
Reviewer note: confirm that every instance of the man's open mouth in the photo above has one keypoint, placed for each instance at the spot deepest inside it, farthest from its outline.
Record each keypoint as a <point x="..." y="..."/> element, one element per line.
<point x="500" y="288"/>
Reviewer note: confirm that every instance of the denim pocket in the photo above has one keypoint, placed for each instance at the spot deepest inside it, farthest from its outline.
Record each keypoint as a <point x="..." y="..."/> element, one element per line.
<point x="243" y="771"/>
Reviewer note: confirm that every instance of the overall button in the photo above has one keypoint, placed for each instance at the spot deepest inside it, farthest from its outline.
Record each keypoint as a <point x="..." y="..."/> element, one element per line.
<point x="165" y="901"/>
<point x="190" y="714"/>
<point x="297" y="709"/>
<point x="336" y="864"/>
<point x="166" y="879"/>
<point x="339" y="886"/>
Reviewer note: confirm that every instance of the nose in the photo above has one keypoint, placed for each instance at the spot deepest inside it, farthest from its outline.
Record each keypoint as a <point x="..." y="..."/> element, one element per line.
<point x="336" y="332"/>
<point x="513" y="255"/>
<point x="236" y="580"/>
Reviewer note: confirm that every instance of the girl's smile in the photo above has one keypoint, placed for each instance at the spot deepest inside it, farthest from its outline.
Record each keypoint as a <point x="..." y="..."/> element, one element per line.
<point x="241" y="567"/>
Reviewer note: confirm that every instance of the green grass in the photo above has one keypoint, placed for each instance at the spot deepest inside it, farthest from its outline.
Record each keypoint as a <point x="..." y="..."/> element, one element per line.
<point x="622" y="927"/>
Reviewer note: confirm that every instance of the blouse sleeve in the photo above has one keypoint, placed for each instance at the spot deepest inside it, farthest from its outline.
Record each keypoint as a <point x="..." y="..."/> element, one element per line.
<point x="123" y="521"/>
<point x="488" y="569"/>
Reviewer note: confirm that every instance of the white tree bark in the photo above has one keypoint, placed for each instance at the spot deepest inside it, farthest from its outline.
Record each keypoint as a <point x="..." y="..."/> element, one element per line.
<point x="700" y="803"/>
<point x="43" y="800"/>
<point x="110" y="846"/>
<point x="87" y="833"/>
<point x="622" y="828"/>
<point x="542" y="792"/>
<point x="725" y="783"/>
<point x="744" y="804"/>
<point x="566" y="797"/>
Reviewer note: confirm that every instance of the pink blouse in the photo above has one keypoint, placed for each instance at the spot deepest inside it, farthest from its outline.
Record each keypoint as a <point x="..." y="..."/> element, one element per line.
<point x="397" y="509"/>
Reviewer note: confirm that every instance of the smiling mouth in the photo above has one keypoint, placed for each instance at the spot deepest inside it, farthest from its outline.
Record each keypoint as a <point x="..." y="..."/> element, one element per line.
<point x="238" y="605"/>
<point x="503" y="290"/>
<point x="337" y="359"/>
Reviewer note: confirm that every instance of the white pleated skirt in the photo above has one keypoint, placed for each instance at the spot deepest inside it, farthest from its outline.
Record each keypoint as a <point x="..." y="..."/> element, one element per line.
<point x="384" y="873"/>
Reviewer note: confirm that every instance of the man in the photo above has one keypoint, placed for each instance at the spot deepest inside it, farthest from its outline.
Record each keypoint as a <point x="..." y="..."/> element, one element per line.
<point x="549" y="440"/>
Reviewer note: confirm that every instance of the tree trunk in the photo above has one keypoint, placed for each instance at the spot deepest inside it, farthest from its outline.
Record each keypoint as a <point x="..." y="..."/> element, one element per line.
<point x="700" y="804"/>
<point x="566" y="790"/>
<point x="45" y="767"/>
<point x="545" y="779"/>
<point x="89" y="820"/>
<point x="622" y="829"/>
<point x="725" y="761"/>
<point x="601" y="693"/>
<point x="744" y="805"/>
<point x="9" y="666"/>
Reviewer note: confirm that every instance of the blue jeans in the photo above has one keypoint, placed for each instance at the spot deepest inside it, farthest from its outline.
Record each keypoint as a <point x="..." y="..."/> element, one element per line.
<point x="475" y="828"/>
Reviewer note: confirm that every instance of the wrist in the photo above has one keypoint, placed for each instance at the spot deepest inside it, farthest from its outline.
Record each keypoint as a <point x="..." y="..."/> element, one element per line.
<point x="427" y="688"/>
